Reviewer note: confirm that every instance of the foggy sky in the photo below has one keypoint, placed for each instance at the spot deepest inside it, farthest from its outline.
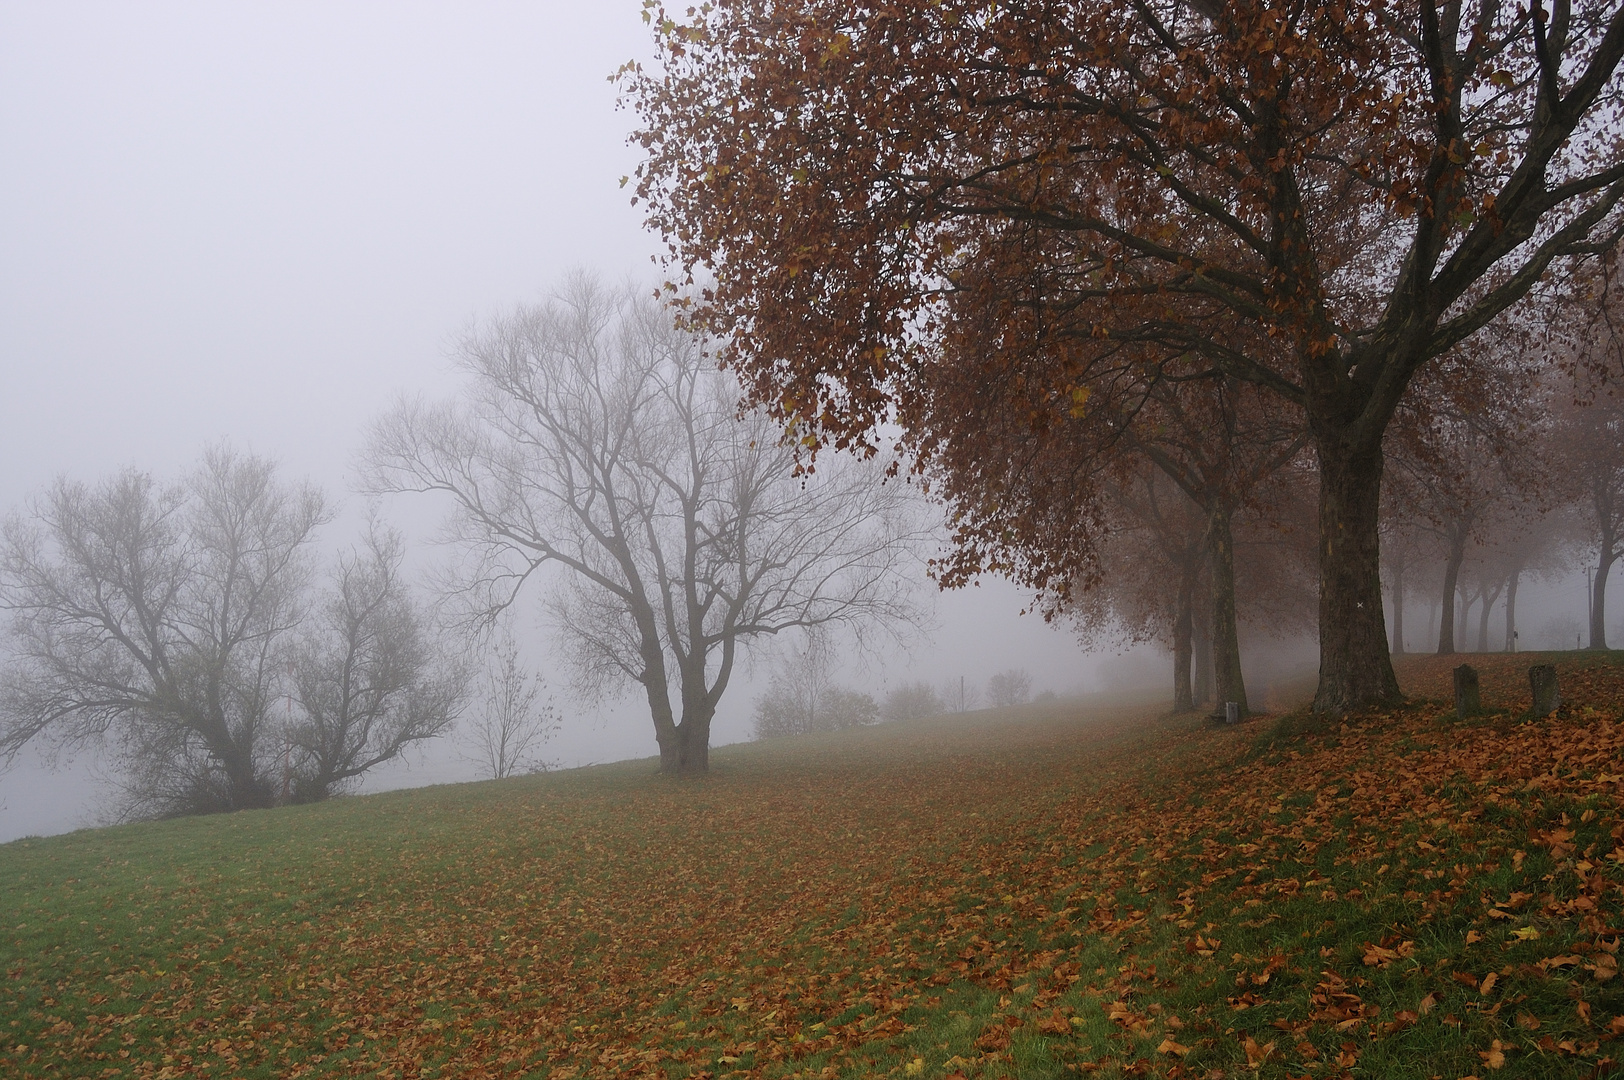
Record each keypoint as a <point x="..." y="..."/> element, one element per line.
<point x="262" y="223"/>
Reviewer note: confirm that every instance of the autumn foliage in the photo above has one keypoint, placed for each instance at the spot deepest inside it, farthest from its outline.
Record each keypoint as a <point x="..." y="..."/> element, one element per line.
<point x="1054" y="210"/>
<point x="1396" y="895"/>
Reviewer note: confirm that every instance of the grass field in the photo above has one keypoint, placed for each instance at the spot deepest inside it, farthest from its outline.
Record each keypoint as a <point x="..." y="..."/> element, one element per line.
<point x="1058" y="890"/>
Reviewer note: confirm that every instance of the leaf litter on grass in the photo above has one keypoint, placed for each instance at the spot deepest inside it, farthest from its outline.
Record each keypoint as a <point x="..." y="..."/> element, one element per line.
<point x="1397" y="895"/>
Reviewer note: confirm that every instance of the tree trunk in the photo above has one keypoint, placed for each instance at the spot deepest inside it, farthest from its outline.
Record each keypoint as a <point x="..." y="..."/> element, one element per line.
<point x="1602" y="498"/>
<point x="1511" y="610"/>
<point x="1446" y="621"/>
<point x="685" y="751"/>
<point x="1598" y="599"/>
<point x="1356" y="669"/>
<point x="693" y="746"/>
<point x="246" y="791"/>
<point x="1183" y="631"/>
<point x="1489" y="597"/>
<point x="668" y="733"/>
<point x="1201" y="648"/>
<point x="1226" y="644"/>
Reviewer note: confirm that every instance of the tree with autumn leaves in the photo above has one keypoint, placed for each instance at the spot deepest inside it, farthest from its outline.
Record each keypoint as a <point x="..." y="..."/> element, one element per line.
<point x="1316" y="199"/>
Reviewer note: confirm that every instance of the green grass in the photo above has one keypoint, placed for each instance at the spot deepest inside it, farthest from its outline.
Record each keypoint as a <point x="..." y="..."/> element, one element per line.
<point x="1052" y="891"/>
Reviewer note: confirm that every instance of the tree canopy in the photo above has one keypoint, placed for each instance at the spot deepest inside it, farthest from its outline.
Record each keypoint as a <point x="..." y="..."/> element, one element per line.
<point x="1069" y="203"/>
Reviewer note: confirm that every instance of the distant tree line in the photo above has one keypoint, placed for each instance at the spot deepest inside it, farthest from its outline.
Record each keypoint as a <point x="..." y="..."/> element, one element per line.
<point x="802" y="697"/>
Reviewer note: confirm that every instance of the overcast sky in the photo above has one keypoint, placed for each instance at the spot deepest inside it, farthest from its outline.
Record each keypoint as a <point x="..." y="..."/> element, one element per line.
<point x="263" y="222"/>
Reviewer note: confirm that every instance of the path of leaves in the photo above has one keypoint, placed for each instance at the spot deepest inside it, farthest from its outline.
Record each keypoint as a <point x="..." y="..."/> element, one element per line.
<point x="1403" y="895"/>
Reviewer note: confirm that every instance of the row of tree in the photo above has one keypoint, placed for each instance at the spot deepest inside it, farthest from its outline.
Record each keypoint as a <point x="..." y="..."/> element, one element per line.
<point x="1476" y="500"/>
<point x="803" y="696"/>
<point x="1249" y="246"/>
<point x="189" y="632"/>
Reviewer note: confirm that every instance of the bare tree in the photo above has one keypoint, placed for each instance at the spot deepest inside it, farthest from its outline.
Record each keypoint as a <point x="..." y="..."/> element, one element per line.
<point x="178" y="630"/>
<point x="1011" y="687"/>
<point x="508" y="731"/>
<point x="597" y="440"/>
<point x="370" y="677"/>
<point x="154" y="621"/>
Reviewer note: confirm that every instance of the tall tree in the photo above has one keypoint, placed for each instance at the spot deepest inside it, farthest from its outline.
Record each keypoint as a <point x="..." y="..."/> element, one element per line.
<point x="1220" y="445"/>
<point x="1589" y="441"/>
<point x="1460" y="467"/>
<point x="1156" y="550"/>
<point x="595" y="439"/>
<point x="1590" y="438"/>
<point x="873" y="190"/>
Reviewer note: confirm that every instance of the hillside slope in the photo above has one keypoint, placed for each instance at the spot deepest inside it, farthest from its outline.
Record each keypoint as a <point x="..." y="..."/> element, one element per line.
<point x="1048" y="891"/>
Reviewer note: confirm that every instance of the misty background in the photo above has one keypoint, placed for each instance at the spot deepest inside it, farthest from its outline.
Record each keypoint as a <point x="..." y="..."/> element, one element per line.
<point x="265" y="224"/>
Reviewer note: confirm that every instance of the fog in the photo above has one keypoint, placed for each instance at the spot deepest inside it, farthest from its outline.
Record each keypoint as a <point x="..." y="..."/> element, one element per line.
<point x="264" y="223"/>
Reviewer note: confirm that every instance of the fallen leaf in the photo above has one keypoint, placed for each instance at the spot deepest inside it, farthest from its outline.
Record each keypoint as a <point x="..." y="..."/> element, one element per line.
<point x="1168" y="1046"/>
<point x="1256" y="1055"/>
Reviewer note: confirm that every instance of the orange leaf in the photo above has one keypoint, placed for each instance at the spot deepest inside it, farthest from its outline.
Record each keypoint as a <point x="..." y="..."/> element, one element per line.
<point x="1168" y="1046"/>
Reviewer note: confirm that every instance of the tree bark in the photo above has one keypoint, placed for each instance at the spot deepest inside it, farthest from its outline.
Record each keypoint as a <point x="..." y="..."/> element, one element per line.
<point x="1511" y="610"/>
<point x="1226" y="645"/>
<point x="1602" y="498"/>
<point x="1598" y="599"/>
<point x="1183" y="632"/>
<point x="685" y="747"/>
<point x="1446" y="620"/>
<point x="690" y="753"/>
<point x="667" y="732"/>
<point x="1356" y="669"/>
<point x="1201" y="650"/>
<point x="1489" y="597"/>
<point x="244" y="789"/>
